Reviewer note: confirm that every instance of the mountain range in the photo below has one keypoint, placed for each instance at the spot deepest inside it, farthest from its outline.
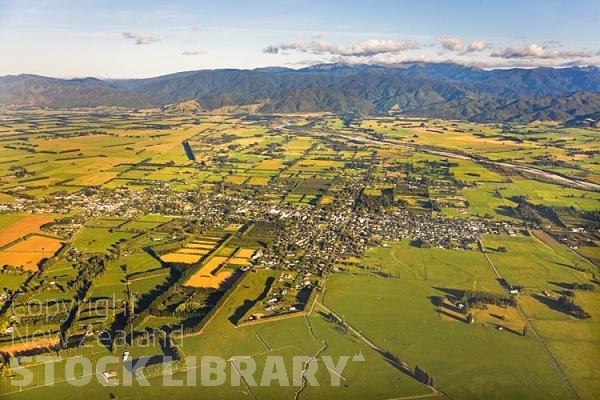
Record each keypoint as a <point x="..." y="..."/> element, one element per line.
<point x="443" y="90"/>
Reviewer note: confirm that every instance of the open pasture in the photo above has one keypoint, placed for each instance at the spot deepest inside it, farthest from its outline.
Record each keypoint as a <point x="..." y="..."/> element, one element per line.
<point x="13" y="226"/>
<point x="400" y="315"/>
<point x="30" y="252"/>
<point x="99" y="240"/>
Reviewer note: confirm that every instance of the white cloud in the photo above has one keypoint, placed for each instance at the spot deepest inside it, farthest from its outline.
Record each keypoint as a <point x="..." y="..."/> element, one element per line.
<point x="460" y="58"/>
<point x="452" y="43"/>
<point x="139" y="39"/>
<point x="477" y="46"/>
<point x="536" y="51"/>
<point x="364" y="49"/>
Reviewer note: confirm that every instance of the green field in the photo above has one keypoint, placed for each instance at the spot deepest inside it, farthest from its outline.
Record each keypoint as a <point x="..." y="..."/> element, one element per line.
<point x="398" y="314"/>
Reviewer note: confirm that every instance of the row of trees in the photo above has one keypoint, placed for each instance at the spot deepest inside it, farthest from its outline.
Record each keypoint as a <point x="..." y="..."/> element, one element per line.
<point x="477" y="299"/>
<point x="578" y="286"/>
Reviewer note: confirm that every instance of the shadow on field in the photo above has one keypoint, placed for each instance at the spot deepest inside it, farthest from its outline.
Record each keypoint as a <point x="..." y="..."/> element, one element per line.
<point x="505" y="211"/>
<point x="239" y="313"/>
<point x="144" y="361"/>
<point x="568" y="266"/>
<point x="456" y="293"/>
<point x="146" y="298"/>
<point x="450" y="315"/>
<point x="396" y="363"/>
<point x="552" y="304"/>
<point x="435" y="300"/>
<point x="562" y="285"/>
<point x="325" y="316"/>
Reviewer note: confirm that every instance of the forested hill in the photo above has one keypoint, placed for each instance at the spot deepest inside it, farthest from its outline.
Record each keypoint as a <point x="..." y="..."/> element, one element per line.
<point x="442" y="90"/>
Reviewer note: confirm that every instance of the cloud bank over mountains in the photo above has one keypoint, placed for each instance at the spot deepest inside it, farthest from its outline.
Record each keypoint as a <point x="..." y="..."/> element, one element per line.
<point x="448" y="48"/>
<point x="367" y="48"/>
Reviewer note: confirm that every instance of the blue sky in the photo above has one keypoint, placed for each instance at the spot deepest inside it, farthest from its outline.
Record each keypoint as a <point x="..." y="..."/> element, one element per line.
<point x="139" y="39"/>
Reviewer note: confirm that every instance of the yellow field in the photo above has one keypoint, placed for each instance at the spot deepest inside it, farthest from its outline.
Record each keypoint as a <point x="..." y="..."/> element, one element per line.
<point x="245" y="253"/>
<point x="208" y="239"/>
<point x="249" y="140"/>
<point x="386" y="153"/>
<point x="235" y="179"/>
<point x="192" y="250"/>
<point x="506" y="317"/>
<point x="270" y="164"/>
<point x="206" y="278"/>
<point x="20" y="346"/>
<point x="239" y="261"/>
<point x="298" y="145"/>
<point x="6" y="198"/>
<point x="94" y="178"/>
<point x="212" y="265"/>
<point x="30" y="252"/>
<point x="326" y="200"/>
<point x="202" y="246"/>
<point x="211" y="281"/>
<point x="181" y="258"/>
<point x="259" y="180"/>
<point x="395" y="174"/>
<point x="24" y="226"/>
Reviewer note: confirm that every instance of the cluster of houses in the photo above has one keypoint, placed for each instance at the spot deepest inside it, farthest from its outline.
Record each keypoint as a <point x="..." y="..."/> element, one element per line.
<point x="311" y="237"/>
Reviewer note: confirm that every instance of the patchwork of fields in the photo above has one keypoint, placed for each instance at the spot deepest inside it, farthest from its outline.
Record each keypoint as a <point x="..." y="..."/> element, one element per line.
<point x="300" y="235"/>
